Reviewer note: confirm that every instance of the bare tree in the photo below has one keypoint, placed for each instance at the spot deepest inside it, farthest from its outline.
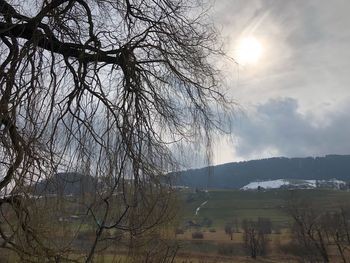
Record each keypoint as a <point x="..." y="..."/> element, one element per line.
<point x="265" y="225"/>
<point x="336" y="229"/>
<point x="308" y="231"/>
<point x="102" y="89"/>
<point x="318" y="231"/>
<point x="335" y="233"/>
<point x="254" y="238"/>
<point x="230" y="229"/>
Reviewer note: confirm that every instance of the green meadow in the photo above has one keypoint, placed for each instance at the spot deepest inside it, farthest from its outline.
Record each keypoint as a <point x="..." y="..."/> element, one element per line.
<point x="226" y="205"/>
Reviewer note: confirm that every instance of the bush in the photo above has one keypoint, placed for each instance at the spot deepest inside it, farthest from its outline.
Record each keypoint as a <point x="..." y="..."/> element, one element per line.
<point x="206" y="222"/>
<point x="212" y="230"/>
<point x="197" y="235"/>
<point x="179" y="231"/>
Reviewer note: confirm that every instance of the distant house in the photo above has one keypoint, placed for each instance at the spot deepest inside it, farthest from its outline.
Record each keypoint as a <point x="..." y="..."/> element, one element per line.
<point x="260" y="188"/>
<point x="200" y="190"/>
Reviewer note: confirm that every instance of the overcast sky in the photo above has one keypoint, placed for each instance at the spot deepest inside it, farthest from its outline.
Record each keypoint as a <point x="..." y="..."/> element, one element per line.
<point x="295" y="99"/>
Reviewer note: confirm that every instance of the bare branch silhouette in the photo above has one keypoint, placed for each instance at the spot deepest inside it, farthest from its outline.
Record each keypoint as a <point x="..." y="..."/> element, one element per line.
<point x="93" y="94"/>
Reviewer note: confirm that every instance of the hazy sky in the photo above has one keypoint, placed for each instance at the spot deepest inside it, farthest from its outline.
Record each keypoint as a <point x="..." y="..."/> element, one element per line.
<point x="295" y="99"/>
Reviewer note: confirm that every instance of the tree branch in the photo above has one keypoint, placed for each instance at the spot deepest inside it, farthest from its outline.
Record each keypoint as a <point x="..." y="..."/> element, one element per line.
<point x="28" y="31"/>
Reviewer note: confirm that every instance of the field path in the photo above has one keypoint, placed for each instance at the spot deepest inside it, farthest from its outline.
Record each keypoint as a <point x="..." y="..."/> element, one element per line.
<point x="199" y="207"/>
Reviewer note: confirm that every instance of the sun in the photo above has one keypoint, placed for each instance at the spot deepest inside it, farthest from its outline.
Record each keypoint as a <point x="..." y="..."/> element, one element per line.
<point x="249" y="51"/>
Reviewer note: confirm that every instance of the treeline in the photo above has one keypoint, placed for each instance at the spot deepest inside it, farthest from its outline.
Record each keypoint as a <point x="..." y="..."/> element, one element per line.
<point x="236" y="175"/>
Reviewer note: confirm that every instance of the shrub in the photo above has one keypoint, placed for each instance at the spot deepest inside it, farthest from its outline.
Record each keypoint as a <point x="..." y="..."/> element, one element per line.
<point x="179" y="231"/>
<point x="197" y="235"/>
<point x="206" y="222"/>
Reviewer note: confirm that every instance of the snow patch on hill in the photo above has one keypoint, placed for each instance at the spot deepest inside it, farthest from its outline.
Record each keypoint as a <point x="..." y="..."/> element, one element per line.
<point x="265" y="184"/>
<point x="294" y="184"/>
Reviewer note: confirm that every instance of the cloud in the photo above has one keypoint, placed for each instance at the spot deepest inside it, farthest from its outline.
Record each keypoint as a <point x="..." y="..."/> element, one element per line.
<point x="297" y="98"/>
<point x="306" y="50"/>
<point x="277" y="127"/>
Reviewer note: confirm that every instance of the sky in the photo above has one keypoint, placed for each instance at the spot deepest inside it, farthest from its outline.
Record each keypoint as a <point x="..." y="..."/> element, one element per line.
<point x="294" y="101"/>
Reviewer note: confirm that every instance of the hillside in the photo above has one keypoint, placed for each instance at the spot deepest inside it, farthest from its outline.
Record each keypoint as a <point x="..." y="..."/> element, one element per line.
<point x="66" y="184"/>
<point x="236" y="175"/>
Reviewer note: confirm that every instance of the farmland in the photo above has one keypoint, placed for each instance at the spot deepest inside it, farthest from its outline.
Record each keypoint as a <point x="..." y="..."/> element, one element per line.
<point x="217" y="209"/>
<point x="225" y="205"/>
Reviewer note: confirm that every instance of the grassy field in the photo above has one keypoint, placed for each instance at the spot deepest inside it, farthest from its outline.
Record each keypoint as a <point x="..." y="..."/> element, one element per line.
<point x="224" y="205"/>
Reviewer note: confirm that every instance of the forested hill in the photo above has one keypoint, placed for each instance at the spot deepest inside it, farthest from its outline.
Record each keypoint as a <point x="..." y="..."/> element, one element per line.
<point x="236" y="175"/>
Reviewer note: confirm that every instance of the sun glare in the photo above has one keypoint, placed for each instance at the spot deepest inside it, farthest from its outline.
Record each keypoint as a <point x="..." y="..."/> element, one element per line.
<point x="249" y="51"/>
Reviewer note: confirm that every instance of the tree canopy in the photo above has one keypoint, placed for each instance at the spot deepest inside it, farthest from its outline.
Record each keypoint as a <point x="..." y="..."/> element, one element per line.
<point x="102" y="88"/>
